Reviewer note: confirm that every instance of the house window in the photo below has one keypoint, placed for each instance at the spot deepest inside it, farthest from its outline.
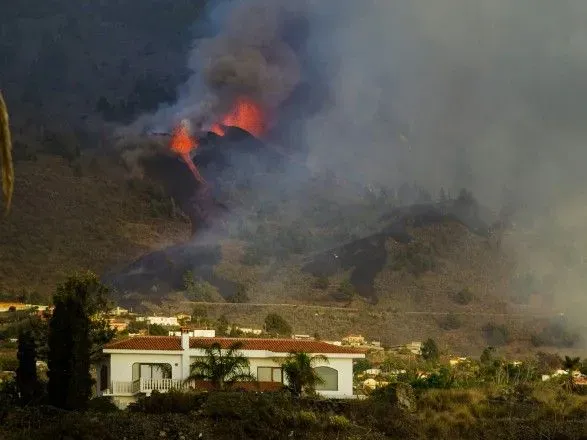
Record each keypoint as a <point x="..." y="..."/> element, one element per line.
<point x="269" y="374"/>
<point x="329" y="378"/>
<point x="103" y="378"/>
<point x="151" y="371"/>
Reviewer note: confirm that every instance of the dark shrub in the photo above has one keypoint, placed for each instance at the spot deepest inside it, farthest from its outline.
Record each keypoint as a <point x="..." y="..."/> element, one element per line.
<point x="463" y="297"/>
<point x="170" y="402"/>
<point x="450" y="322"/>
<point x="496" y="335"/>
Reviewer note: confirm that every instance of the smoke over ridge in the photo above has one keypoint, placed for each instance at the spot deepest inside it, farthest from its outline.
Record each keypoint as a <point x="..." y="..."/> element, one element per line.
<point x="489" y="96"/>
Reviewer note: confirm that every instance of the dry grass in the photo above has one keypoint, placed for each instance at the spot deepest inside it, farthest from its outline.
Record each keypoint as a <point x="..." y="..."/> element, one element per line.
<point x="62" y="221"/>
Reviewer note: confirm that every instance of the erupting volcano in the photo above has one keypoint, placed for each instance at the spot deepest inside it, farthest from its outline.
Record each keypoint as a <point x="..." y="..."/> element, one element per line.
<point x="245" y="114"/>
<point x="182" y="144"/>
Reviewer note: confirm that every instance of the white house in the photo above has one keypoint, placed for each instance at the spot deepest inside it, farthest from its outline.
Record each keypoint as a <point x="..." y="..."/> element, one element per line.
<point x="163" y="320"/>
<point x="146" y="363"/>
<point x="198" y="333"/>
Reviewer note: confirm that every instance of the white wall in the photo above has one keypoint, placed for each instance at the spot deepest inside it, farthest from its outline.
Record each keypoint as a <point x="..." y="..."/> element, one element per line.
<point x="121" y="364"/>
<point x="163" y="320"/>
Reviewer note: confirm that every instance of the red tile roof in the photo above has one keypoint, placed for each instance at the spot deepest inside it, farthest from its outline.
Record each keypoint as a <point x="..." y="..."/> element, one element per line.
<point x="274" y="345"/>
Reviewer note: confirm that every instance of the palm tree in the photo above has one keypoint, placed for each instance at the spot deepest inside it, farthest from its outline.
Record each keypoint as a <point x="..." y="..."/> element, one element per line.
<point x="221" y="369"/>
<point x="571" y="364"/>
<point x="7" y="171"/>
<point x="299" y="371"/>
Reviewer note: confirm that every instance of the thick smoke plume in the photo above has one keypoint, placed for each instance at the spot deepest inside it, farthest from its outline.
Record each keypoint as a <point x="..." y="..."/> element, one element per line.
<point x="488" y="96"/>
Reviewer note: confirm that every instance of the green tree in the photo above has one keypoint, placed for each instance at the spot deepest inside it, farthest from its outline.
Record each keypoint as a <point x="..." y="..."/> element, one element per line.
<point x="221" y="367"/>
<point x="157" y="330"/>
<point x="430" y="350"/>
<point x="26" y="373"/>
<point x="222" y="326"/>
<point x="361" y="365"/>
<point x="449" y="322"/>
<point x="299" y="371"/>
<point x="198" y="289"/>
<point x="571" y="363"/>
<point x="496" y="335"/>
<point x="240" y="295"/>
<point x="75" y="329"/>
<point x="276" y="325"/>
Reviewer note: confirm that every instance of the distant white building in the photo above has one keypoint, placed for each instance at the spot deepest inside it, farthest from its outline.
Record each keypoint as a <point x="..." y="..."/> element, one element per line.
<point x="201" y="333"/>
<point x="414" y="347"/>
<point x="302" y="337"/>
<point x="249" y="331"/>
<point x="118" y="311"/>
<point x="162" y="320"/>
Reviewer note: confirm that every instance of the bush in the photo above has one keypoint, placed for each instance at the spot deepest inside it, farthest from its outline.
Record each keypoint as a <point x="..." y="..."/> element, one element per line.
<point x="170" y="402"/>
<point x="556" y="334"/>
<point x="275" y="324"/>
<point x="102" y="405"/>
<point x="339" y="423"/>
<point x="347" y="289"/>
<point x="307" y="418"/>
<point x="450" y="322"/>
<point x="463" y="297"/>
<point x="240" y="295"/>
<point x="496" y="335"/>
<point x="8" y="363"/>
<point x="321" y="282"/>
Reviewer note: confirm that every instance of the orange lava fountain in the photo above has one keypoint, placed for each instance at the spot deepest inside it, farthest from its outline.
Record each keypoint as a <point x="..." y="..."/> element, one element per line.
<point x="182" y="144"/>
<point x="245" y="114"/>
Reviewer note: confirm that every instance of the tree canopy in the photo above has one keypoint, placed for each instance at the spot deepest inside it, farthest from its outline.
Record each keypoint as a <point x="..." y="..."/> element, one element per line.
<point x="221" y="367"/>
<point x="276" y="325"/>
<point x="299" y="371"/>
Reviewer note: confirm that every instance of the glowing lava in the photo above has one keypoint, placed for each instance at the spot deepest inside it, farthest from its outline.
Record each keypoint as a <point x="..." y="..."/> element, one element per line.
<point x="245" y="114"/>
<point x="182" y="143"/>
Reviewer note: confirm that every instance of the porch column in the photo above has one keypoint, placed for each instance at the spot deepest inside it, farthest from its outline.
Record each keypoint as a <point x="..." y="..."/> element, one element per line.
<point x="185" y="356"/>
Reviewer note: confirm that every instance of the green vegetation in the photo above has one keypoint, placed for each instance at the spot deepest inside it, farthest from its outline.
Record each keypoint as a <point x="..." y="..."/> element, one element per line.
<point x="392" y="412"/>
<point x="321" y="282"/>
<point x="496" y="335"/>
<point x="222" y="369"/>
<point x="463" y="297"/>
<point x="450" y="322"/>
<point x="298" y="368"/>
<point x="276" y="325"/>
<point x="556" y="334"/>
<point x="198" y="289"/>
<point x="430" y="350"/>
<point x="26" y="373"/>
<point x="240" y="296"/>
<point x="75" y="329"/>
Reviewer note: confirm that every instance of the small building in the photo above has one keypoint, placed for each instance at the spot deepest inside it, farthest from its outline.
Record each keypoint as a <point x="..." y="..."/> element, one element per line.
<point x="14" y="306"/>
<point x="118" y="311"/>
<point x="353" y="340"/>
<point x="142" y="364"/>
<point x="118" y="324"/>
<point x="170" y="321"/>
<point x="197" y="333"/>
<point x="302" y="337"/>
<point x="249" y="331"/>
<point x="372" y="372"/>
<point x="183" y="317"/>
<point x="457" y="361"/>
<point x="414" y="347"/>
